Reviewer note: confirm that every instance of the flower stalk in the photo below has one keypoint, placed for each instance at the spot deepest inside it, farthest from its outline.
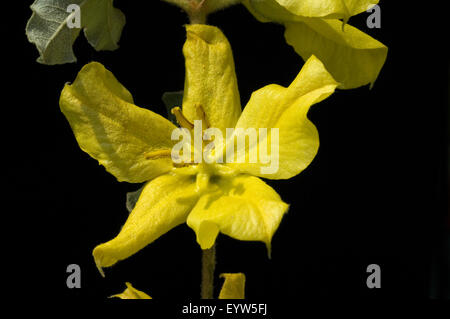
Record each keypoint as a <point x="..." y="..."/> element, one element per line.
<point x="198" y="10"/>
<point x="208" y="268"/>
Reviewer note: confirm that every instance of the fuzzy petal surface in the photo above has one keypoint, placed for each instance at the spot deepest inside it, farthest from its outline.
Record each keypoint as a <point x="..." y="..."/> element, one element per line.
<point x="244" y="207"/>
<point x="286" y="109"/>
<point x="163" y="204"/>
<point x="351" y="56"/>
<point x="123" y="138"/>
<point x="210" y="77"/>
<point x="282" y="10"/>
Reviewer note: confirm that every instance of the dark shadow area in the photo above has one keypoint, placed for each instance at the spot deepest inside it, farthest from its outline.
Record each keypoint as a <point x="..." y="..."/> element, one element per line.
<point x="377" y="192"/>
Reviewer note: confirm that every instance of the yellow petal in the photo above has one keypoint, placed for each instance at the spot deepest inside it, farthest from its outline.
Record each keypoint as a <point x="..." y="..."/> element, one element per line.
<point x="339" y="9"/>
<point x="244" y="208"/>
<point x="292" y="10"/>
<point x="233" y="287"/>
<point x="131" y="293"/>
<point x="210" y="77"/>
<point x="355" y="7"/>
<point x="314" y="8"/>
<point x="163" y="204"/>
<point x="286" y="109"/>
<point x="352" y="57"/>
<point x="111" y="129"/>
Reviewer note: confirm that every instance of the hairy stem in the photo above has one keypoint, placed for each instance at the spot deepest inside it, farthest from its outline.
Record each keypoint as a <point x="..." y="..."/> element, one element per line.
<point x="197" y="17"/>
<point x="208" y="267"/>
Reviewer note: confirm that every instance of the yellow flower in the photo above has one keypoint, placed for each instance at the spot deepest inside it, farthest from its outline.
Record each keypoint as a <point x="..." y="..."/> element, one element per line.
<point x="313" y="27"/>
<point x="134" y="145"/>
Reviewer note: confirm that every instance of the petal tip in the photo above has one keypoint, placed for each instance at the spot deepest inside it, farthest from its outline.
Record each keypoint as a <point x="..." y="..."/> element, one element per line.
<point x="97" y="259"/>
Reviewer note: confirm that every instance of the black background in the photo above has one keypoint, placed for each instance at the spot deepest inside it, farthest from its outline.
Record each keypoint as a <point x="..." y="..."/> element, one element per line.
<point x="375" y="193"/>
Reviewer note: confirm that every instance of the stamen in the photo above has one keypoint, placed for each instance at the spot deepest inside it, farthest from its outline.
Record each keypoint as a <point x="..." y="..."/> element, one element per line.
<point x="188" y="164"/>
<point x="181" y="119"/>
<point x="202" y="115"/>
<point x="176" y="165"/>
<point x="158" y="154"/>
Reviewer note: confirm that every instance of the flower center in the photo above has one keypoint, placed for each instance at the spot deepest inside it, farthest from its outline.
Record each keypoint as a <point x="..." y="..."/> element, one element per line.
<point x="205" y="171"/>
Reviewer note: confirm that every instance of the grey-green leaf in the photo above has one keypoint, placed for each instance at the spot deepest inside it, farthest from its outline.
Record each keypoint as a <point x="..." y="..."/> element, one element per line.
<point x="48" y="28"/>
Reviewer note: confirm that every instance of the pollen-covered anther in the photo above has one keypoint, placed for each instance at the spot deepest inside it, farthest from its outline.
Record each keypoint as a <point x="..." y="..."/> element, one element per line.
<point x="157" y="154"/>
<point x="181" y="119"/>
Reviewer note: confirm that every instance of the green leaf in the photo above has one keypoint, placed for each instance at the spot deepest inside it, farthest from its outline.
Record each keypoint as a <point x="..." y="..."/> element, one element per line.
<point x="48" y="28"/>
<point x="104" y="24"/>
<point x="172" y="99"/>
<point x="132" y="198"/>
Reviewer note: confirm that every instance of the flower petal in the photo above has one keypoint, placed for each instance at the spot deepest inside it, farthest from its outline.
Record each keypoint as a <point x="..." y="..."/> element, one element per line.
<point x="305" y="8"/>
<point x="352" y="57"/>
<point x="338" y="9"/>
<point x="244" y="208"/>
<point x="210" y="77"/>
<point x="164" y="203"/>
<point x="355" y="7"/>
<point x="291" y="10"/>
<point x="111" y="129"/>
<point x="285" y="109"/>
<point x="131" y="293"/>
<point x="233" y="287"/>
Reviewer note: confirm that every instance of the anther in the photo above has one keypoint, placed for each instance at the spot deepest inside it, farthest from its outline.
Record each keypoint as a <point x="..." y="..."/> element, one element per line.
<point x="181" y="119"/>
